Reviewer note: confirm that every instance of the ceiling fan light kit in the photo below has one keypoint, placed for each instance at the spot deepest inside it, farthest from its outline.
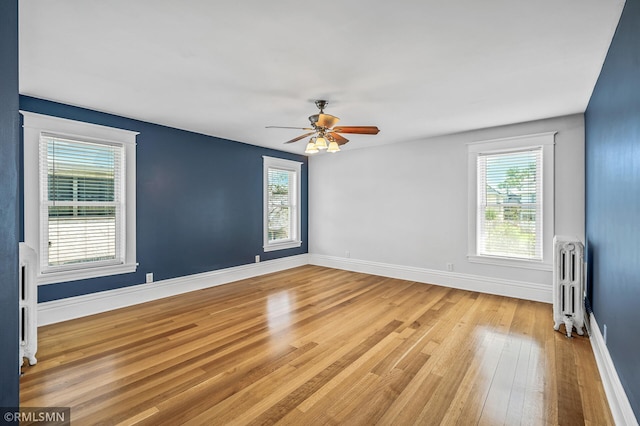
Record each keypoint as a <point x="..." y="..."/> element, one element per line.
<point x="322" y="129"/>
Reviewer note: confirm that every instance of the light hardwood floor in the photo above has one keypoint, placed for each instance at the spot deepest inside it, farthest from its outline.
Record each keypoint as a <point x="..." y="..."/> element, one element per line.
<point x="314" y="345"/>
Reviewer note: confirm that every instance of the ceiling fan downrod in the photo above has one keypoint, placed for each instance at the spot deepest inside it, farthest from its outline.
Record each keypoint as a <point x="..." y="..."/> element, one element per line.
<point x="321" y="104"/>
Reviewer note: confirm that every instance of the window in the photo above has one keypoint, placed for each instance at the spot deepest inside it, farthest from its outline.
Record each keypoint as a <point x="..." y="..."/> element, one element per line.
<point x="511" y="201"/>
<point x="81" y="207"/>
<point x="79" y="198"/>
<point x="281" y="204"/>
<point x="510" y="204"/>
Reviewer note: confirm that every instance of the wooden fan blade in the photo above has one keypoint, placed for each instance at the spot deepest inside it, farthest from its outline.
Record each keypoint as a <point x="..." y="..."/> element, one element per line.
<point x="362" y="130"/>
<point x="341" y="140"/>
<point x="283" y="127"/>
<point x="300" y="137"/>
<point x="327" y="120"/>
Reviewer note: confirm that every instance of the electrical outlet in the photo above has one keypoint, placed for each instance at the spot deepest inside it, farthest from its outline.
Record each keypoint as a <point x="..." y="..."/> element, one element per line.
<point x="604" y="333"/>
<point x="257" y="258"/>
<point x="450" y="267"/>
<point x="150" y="277"/>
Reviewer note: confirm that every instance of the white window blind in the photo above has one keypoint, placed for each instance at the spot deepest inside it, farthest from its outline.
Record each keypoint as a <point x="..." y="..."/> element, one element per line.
<point x="82" y="203"/>
<point x="509" y="214"/>
<point x="280" y="204"/>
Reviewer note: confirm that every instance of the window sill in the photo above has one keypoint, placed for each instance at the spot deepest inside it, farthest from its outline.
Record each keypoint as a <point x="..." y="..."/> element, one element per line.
<point x="81" y="274"/>
<point x="282" y="246"/>
<point x="513" y="263"/>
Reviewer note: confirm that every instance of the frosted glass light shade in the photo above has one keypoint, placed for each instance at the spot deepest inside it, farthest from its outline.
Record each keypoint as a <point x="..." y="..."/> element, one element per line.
<point x="321" y="143"/>
<point x="333" y="147"/>
<point x="311" y="148"/>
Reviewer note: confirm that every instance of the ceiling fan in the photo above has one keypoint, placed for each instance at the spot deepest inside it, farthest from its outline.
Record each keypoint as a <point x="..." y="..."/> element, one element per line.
<point x="323" y="128"/>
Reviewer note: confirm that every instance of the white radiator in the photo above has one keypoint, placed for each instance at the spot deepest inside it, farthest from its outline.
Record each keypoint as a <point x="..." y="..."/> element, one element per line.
<point x="28" y="305"/>
<point x="568" y="284"/>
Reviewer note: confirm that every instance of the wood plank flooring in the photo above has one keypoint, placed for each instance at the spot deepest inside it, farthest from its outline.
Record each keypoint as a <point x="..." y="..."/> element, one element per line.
<point x="315" y="345"/>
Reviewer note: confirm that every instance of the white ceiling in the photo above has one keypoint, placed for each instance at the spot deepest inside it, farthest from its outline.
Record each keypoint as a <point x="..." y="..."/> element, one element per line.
<point x="229" y="68"/>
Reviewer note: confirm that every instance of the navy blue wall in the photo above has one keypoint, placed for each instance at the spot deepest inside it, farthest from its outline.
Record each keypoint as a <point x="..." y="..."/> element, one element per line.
<point x="9" y="147"/>
<point x="612" y="124"/>
<point x="199" y="202"/>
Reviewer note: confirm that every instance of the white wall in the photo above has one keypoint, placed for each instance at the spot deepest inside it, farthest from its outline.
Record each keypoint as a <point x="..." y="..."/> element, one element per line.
<point x="406" y="204"/>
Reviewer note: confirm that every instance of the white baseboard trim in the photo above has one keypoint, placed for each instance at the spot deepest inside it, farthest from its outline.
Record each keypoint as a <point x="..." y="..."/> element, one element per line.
<point x="498" y="286"/>
<point x="616" y="396"/>
<point x="94" y="303"/>
<point x="89" y="304"/>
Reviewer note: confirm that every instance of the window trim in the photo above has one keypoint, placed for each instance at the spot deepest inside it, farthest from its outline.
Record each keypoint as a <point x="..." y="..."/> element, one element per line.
<point x="292" y="166"/>
<point x="36" y="124"/>
<point x="546" y="141"/>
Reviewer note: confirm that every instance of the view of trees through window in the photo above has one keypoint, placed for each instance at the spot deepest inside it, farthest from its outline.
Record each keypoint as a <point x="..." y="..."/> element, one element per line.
<point x="509" y="214"/>
<point x="279" y="204"/>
